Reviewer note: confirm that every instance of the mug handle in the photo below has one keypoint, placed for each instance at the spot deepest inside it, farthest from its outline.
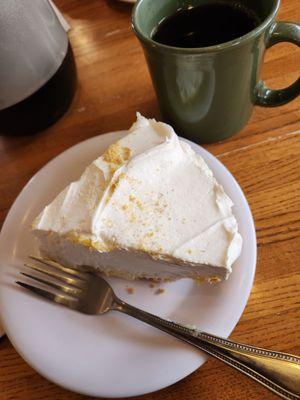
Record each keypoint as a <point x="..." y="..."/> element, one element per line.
<point x="280" y="32"/>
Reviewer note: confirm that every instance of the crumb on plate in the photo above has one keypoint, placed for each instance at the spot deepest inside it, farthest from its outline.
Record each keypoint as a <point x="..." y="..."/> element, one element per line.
<point x="129" y="290"/>
<point x="160" y="291"/>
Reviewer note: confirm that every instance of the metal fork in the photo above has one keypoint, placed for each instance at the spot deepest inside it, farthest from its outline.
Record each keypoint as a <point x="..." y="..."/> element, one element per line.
<point x="85" y="291"/>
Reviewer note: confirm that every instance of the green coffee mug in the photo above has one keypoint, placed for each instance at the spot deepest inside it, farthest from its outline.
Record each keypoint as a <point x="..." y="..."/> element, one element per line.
<point x="207" y="94"/>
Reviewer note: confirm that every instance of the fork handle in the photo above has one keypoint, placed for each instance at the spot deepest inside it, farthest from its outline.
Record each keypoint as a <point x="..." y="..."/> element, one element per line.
<point x="279" y="372"/>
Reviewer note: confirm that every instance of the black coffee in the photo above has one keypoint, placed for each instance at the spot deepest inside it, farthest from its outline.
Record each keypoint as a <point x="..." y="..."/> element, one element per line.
<point x="206" y="25"/>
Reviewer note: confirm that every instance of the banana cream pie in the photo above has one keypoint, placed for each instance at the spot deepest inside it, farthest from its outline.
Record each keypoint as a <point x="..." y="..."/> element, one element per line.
<point x="149" y="207"/>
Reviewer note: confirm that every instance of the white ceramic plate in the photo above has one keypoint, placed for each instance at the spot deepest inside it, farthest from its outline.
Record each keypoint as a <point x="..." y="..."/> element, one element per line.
<point x="114" y="355"/>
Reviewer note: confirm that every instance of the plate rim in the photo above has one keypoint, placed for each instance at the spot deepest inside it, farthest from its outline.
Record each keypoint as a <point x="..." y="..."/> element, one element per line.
<point x="210" y="156"/>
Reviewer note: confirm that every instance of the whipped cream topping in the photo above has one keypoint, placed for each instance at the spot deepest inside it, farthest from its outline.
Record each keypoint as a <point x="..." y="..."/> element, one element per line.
<point x="149" y="192"/>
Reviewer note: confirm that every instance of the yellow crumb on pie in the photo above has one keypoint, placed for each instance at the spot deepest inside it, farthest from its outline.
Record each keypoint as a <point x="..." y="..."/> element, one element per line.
<point x="136" y="201"/>
<point x="160" y="291"/>
<point x="116" y="156"/>
<point x="139" y="204"/>
<point x="199" y="280"/>
<point x="116" y="183"/>
<point x="150" y="234"/>
<point x="133" y="218"/>
<point x="214" y="279"/>
<point x="114" y="186"/>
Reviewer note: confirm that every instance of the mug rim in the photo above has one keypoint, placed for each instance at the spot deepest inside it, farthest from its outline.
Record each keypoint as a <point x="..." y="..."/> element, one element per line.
<point x="209" y="49"/>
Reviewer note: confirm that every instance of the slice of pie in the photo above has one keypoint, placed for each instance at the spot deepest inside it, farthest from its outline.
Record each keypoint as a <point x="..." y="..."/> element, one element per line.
<point x="149" y="207"/>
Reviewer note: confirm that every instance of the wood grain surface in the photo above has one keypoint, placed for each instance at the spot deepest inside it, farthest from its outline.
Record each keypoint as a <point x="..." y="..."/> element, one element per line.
<point x="264" y="157"/>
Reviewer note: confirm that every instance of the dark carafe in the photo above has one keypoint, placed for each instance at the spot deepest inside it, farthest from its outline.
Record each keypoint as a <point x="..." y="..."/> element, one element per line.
<point x="37" y="68"/>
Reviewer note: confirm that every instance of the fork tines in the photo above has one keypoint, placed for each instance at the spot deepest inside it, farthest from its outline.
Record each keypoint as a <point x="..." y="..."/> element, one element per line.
<point x="68" y="282"/>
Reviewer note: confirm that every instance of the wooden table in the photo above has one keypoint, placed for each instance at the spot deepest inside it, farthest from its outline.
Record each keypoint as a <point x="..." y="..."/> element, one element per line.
<point x="264" y="158"/>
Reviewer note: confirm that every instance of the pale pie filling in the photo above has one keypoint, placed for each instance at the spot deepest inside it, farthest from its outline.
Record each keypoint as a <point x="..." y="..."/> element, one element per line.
<point x="149" y="207"/>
